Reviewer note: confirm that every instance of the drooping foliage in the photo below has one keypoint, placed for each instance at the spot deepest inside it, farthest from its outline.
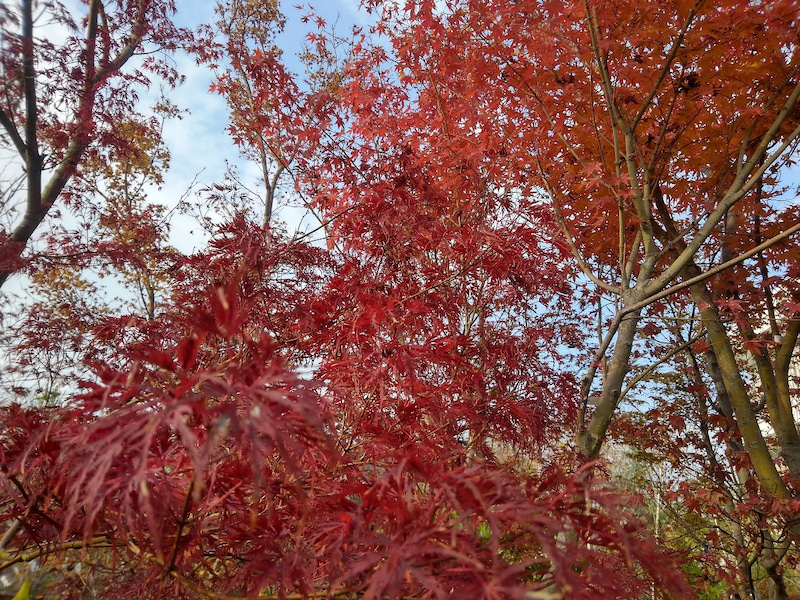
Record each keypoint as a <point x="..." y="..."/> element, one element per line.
<point x="412" y="411"/>
<point x="194" y="452"/>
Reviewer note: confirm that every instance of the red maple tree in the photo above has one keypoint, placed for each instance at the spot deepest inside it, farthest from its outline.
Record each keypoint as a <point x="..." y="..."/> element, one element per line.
<point x="660" y="133"/>
<point x="393" y="416"/>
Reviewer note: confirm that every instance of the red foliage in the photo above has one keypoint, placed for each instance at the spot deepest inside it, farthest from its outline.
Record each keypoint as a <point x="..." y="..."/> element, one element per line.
<point x="439" y="331"/>
<point x="197" y="453"/>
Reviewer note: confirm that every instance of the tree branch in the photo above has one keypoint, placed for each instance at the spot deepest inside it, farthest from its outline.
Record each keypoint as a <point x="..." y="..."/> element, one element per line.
<point x="128" y="49"/>
<point x="586" y="383"/>
<point x="673" y="52"/>
<point x="33" y="161"/>
<point x="181" y="524"/>
<point x="13" y="133"/>
<point x="783" y="357"/>
<point x="562" y="224"/>
<point x="653" y="366"/>
<point x="747" y="177"/>
<point x="44" y="550"/>
<point x="711" y="272"/>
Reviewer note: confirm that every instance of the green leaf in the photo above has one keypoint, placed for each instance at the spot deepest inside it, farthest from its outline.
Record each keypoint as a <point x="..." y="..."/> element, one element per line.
<point x="24" y="592"/>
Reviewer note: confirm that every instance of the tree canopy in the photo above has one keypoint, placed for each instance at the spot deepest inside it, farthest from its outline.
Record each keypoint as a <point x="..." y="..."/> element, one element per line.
<point x="546" y="350"/>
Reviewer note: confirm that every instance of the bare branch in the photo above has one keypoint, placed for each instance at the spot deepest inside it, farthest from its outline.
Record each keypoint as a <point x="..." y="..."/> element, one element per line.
<point x="24" y="556"/>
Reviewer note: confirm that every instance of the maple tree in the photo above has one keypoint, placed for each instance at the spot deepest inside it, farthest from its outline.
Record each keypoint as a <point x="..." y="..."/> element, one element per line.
<point x="659" y="133"/>
<point x="257" y="89"/>
<point x="62" y="102"/>
<point x="653" y="139"/>
<point x="276" y="117"/>
<point x="214" y="464"/>
<point x="488" y="173"/>
<point x="622" y="132"/>
<point x="117" y="241"/>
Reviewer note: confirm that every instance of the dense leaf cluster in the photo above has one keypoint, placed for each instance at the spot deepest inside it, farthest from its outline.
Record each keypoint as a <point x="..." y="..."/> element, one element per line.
<point x="548" y="225"/>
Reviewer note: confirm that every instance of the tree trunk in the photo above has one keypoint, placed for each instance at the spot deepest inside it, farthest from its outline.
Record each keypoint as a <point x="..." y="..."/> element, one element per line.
<point x="590" y="437"/>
